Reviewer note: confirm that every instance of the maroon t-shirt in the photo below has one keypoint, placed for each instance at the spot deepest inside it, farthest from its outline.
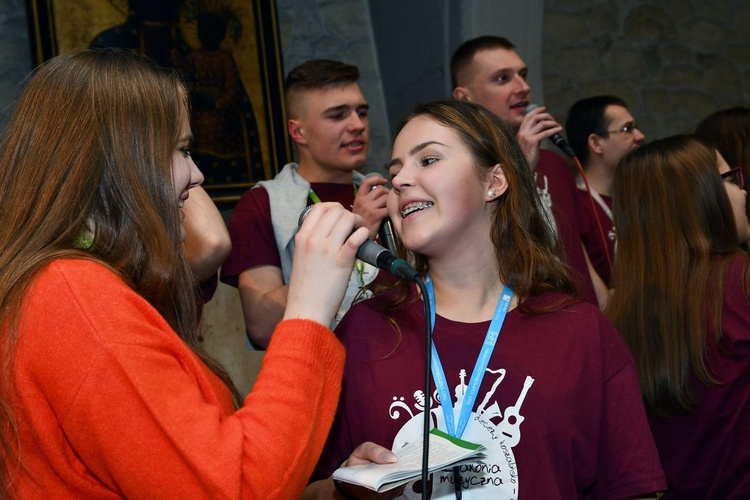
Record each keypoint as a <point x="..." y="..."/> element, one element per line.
<point x="559" y="408"/>
<point x="592" y="237"/>
<point x="557" y="184"/>
<point x="251" y="230"/>
<point x="707" y="454"/>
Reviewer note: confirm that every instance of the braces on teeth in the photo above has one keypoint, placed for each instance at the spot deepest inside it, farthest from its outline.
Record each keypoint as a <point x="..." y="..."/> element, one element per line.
<point x="414" y="208"/>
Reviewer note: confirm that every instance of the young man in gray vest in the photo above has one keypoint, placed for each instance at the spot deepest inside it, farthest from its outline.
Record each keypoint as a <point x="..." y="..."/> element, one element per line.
<point x="327" y="120"/>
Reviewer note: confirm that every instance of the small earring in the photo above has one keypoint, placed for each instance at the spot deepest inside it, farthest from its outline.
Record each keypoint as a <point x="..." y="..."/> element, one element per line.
<point x="491" y="194"/>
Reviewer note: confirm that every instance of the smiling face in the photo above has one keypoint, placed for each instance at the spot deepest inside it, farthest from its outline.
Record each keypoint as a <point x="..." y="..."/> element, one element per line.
<point x="738" y="199"/>
<point x="331" y="129"/>
<point x="497" y="79"/>
<point x="185" y="174"/>
<point x="439" y="203"/>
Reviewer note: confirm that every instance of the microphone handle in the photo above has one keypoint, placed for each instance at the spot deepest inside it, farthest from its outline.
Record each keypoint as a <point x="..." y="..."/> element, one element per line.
<point x="561" y="143"/>
<point x="382" y="258"/>
<point x="387" y="236"/>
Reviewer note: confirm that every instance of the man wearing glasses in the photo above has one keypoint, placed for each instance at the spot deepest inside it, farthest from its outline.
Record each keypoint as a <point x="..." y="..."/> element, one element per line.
<point x="600" y="130"/>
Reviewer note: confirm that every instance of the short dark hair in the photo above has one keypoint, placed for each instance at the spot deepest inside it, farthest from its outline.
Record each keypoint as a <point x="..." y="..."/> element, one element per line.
<point x="319" y="73"/>
<point x="316" y="74"/>
<point x="586" y="117"/>
<point x="464" y="54"/>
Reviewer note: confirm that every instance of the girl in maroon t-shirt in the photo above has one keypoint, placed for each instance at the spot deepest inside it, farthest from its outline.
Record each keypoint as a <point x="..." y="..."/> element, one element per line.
<point x="553" y="397"/>
<point x="681" y="302"/>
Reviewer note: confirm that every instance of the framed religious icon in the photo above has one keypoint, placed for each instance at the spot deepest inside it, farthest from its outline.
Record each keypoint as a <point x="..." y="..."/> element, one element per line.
<point x="228" y="54"/>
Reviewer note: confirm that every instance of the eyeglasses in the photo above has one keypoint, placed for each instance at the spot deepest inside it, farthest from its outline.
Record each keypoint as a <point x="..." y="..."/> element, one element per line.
<point x="735" y="176"/>
<point x="628" y="128"/>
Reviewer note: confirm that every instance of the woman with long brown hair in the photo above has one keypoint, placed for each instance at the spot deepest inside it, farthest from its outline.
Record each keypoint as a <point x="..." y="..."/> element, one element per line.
<point x="681" y="302"/>
<point x="549" y="388"/>
<point x="106" y="388"/>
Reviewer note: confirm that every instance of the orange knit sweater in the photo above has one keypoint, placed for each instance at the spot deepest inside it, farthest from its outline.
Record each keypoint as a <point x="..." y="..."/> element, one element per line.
<point x="111" y="403"/>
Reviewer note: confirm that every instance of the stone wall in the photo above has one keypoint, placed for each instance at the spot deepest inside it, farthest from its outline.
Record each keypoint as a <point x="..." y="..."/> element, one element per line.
<point x="673" y="61"/>
<point x="340" y="30"/>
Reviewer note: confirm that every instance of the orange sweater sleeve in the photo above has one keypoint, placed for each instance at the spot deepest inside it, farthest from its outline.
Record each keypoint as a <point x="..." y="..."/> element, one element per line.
<point x="112" y="403"/>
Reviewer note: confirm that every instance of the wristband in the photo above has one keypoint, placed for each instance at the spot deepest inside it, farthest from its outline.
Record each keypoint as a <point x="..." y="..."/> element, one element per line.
<point x="340" y="488"/>
<point x="342" y="491"/>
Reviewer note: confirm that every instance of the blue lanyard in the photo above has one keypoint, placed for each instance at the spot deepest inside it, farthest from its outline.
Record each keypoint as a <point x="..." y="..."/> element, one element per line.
<point x="479" y="368"/>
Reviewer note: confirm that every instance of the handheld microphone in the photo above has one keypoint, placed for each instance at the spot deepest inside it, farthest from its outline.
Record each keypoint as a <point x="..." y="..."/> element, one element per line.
<point x="385" y="232"/>
<point x="377" y="256"/>
<point x="386" y="235"/>
<point x="556" y="138"/>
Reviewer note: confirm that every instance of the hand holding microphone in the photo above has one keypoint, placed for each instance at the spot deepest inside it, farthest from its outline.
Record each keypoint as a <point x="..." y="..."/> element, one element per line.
<point x="385" y="230"/>
<point x="326" y="247"/>
<point x="370" y="201"/>
<point x="556" y="138"/>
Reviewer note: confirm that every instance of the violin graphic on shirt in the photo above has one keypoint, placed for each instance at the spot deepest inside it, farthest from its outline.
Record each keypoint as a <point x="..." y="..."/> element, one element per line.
<point x="461" y="388"/>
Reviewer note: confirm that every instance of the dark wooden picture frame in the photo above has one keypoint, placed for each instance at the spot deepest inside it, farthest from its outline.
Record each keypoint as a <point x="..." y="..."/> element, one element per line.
<point x="228" y="52"/>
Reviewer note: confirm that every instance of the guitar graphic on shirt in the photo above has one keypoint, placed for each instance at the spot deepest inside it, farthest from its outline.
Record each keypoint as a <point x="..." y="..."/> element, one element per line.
<point x="512" y="422"/>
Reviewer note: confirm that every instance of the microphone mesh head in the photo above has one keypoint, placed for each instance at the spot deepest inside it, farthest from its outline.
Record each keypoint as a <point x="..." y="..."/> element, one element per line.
<point x="302" y="216"/>
<point x="530" y="107"/>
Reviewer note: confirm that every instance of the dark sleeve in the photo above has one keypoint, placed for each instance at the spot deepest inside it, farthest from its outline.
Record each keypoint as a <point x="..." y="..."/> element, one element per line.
<point x="253" y="240"/>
